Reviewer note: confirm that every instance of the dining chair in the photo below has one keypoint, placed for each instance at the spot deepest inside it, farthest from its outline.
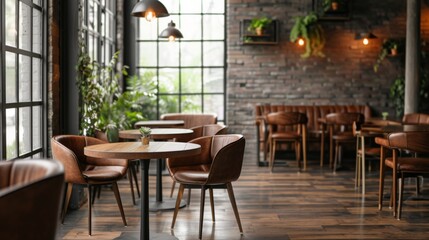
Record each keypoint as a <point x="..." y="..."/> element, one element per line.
<point x="191" y="119"/>
<point x="199" y="131"/>
<point x="287" y="127"/>
<point x="87" y="171"/>
<point x="404" y="166"/>
<point x="415" y="118"/>
<point x="30" y="198"/>
<point x="217" y="166"/>
<point x="341" y="133"/>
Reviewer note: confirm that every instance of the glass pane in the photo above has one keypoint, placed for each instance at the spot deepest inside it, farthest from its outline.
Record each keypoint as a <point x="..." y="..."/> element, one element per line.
<point x="24" y="78"/>
<point x="103" y="30"/>
<point x="171" y="5"/>
<point x="190" y="54"/>
<point x="168" y="80"/>
<point x="190" y="6"/>
<point x="37" y="2"/>
<point x="37" y="31"/>
<point x="11" y="77"/>
<point x="10" y="23"/>
<point x="11" y="144"/>
<point x="147" y="54"/>
<point x="191" y="80"/>
<point x="169" y="54"/>
<point x="213" y="6"/>
<point x="194" y="32"/>
<point x="147" y="30"/>
<point x="214" y="27"/>
<point x="24" y="26"/>
<point x="213" y="80"/>
<point x="24" y="130"/>
<point x="37" y="127"/>
<point x="168" y="104"/>
<point x="213" y="53"/>
<point x="93" y="16"/>
<point x="37" y="79"/>
<point x="214" y="104"/>
<point x="191" y="103"/>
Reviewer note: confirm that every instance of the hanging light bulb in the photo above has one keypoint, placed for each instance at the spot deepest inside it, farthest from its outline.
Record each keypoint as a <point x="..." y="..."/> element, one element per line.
<point x="365" y="37"/>
<point x="149" y="9"/>
<point x="301" y="42"/>
<point x="365" y="41"/>
<point x="171" y="32"/>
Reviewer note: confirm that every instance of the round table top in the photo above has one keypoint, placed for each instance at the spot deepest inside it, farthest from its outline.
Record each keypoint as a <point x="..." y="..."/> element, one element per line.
<point x="160" y="123"/>
<point x="405" y="128"/>
<point x="136" y="150"/>
<point x="156" y="133"/>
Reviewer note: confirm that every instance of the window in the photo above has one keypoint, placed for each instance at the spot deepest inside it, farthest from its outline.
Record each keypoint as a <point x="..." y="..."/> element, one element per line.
<point x="98" y="25"/>
<point x="190" y="73"/>
<point x="22" y="78"/>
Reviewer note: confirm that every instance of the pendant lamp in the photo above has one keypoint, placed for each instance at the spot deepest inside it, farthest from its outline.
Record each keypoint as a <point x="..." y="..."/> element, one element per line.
<point x="171" y="32"/>
<point x="149" y="9"/>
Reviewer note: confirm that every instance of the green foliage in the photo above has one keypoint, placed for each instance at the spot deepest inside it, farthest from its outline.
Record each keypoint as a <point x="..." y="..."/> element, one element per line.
<point x="145" y="131"/>
<point x="308" y="28"/>
<point x="259" y="23"/>
<point x="386" y="49"/>
<point x="397" y="95"/>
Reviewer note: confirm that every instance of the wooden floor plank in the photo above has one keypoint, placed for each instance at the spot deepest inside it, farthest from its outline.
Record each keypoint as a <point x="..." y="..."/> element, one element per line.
<point x="285" y="204"/>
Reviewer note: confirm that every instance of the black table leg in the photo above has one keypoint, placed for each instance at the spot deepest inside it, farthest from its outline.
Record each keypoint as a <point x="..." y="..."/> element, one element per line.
<point x="144" y="204"/>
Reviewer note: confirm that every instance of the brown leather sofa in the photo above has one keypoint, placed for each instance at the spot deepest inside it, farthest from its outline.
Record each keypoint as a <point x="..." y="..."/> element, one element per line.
<point x="30" y="197"/>
<point x="191" y="119"/>
<point x="313" y="113"/>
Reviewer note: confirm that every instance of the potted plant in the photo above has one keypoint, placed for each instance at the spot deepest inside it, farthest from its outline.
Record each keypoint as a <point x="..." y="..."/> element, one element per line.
<point x="390" y="47"/>
<point x="330" y="5"/>
<point x="308" y="29"/>
<point x="145" y="132"/>
<point x="257" y="25"/>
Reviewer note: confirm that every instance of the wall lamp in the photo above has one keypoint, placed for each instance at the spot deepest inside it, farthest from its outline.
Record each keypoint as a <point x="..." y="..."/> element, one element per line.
<point x="365" y="36"/>
<point x="171" y="32"/>
<point x="149" y="9"/>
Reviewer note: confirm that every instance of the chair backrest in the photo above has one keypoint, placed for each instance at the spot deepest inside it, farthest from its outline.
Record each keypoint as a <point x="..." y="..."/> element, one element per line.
<point x="204" y="130"/>
<point x="411" y="141"/>
<point x="345" y="120"/>
<point x="227" y="152"/>
<point x="68" y="149"/>
<point x="191" y="119"/>
<point x="281" y="121"/>
<point x="416" y="118"/>
<point x="30" y="198"/>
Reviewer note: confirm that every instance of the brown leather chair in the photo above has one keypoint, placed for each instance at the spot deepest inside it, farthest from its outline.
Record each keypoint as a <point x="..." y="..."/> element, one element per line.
<point x="87" y="171"/>
<point x="287" y="127"/>
<point x="218" y="164"/>
<point x="407" y="166"/>
<point x="191" y="119"/>
<point x="30" y="197"/>
<point x="340" y="133"/>
<point x="415" y="118"/>
<point x="200" y="131"/>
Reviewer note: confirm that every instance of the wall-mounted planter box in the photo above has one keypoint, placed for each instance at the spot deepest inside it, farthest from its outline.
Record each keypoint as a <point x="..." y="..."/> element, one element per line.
<point x="332" y="10"/>
<point x="268" y="37"/>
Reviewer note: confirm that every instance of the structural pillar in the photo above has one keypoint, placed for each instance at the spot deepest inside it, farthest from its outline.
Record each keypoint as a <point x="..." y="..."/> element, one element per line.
<point x="412" y="57"/>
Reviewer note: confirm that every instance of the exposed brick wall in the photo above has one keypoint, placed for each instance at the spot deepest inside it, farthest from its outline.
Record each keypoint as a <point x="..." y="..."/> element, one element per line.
<point x="277" y="74"/>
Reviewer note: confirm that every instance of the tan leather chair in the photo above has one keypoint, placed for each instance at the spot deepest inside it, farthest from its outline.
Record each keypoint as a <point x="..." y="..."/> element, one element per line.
<point x="287" y="127"/>
<point x="30" y="197"/>
<point x="340" y="133"/>
<point x="191" y="119"/>
<point x="200" y="131"/>
<point x="88" y="171"/>
<point x="415" y="118"/>
<point x="218" y="164"/>
<point x="402" y="167"/>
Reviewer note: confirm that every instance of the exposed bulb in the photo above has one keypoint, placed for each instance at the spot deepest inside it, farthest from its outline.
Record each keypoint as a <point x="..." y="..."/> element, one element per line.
<point x="365" y="41"/>
<point x="301" y="42"/>
<point x="149" y="15"/>
<point x="171" y="39"/>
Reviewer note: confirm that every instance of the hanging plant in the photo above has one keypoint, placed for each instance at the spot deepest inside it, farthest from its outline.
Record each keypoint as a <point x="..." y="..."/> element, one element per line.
<point x="390" y="47"/>
<point x="308" y="28"/>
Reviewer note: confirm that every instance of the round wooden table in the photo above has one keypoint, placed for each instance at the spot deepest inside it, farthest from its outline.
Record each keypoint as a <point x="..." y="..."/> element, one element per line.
<point x="159" y="134"/>
<point x="135" y="150"/>
<point x="160" y="123"/>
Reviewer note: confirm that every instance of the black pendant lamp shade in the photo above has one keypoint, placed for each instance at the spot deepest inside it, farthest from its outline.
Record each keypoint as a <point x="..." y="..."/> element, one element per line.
<point x="171" y="32"/>
<point x="149" y="9"/>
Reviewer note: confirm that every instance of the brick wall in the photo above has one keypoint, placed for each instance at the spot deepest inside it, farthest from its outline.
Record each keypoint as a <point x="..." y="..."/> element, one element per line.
<point x="278" y="75"/>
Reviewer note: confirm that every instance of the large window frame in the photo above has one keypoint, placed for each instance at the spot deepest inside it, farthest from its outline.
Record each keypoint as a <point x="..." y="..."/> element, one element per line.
<point x="23" y="79"/>
<point x="160" y="70"/>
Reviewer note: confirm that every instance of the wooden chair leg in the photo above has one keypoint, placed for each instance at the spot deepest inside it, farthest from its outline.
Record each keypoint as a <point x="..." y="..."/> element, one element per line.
<point x="381" y="181"/>
<point x="272" y="155"/>
<point x="173" y="185"/>
<point x="212" y="204"/>
<point x="176" y="209"/>
<point x="337" y="150"/>
<point x="203" y="199"/>
<point x="298" y="154"/>
<point x="89" y="210"/>
<point x="130" y="179"/>
<point x="118" y="200"/>
<point x="234" y="205"/>
<point x="401" y="192"/>
<point x="69" y="188"/>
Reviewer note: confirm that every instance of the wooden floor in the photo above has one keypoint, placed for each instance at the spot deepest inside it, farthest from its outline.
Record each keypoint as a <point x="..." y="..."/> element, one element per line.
<point x="315" y="204"/>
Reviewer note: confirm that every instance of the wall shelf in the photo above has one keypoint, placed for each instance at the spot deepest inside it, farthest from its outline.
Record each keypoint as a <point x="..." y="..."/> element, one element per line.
<point x="269" y="36"/>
